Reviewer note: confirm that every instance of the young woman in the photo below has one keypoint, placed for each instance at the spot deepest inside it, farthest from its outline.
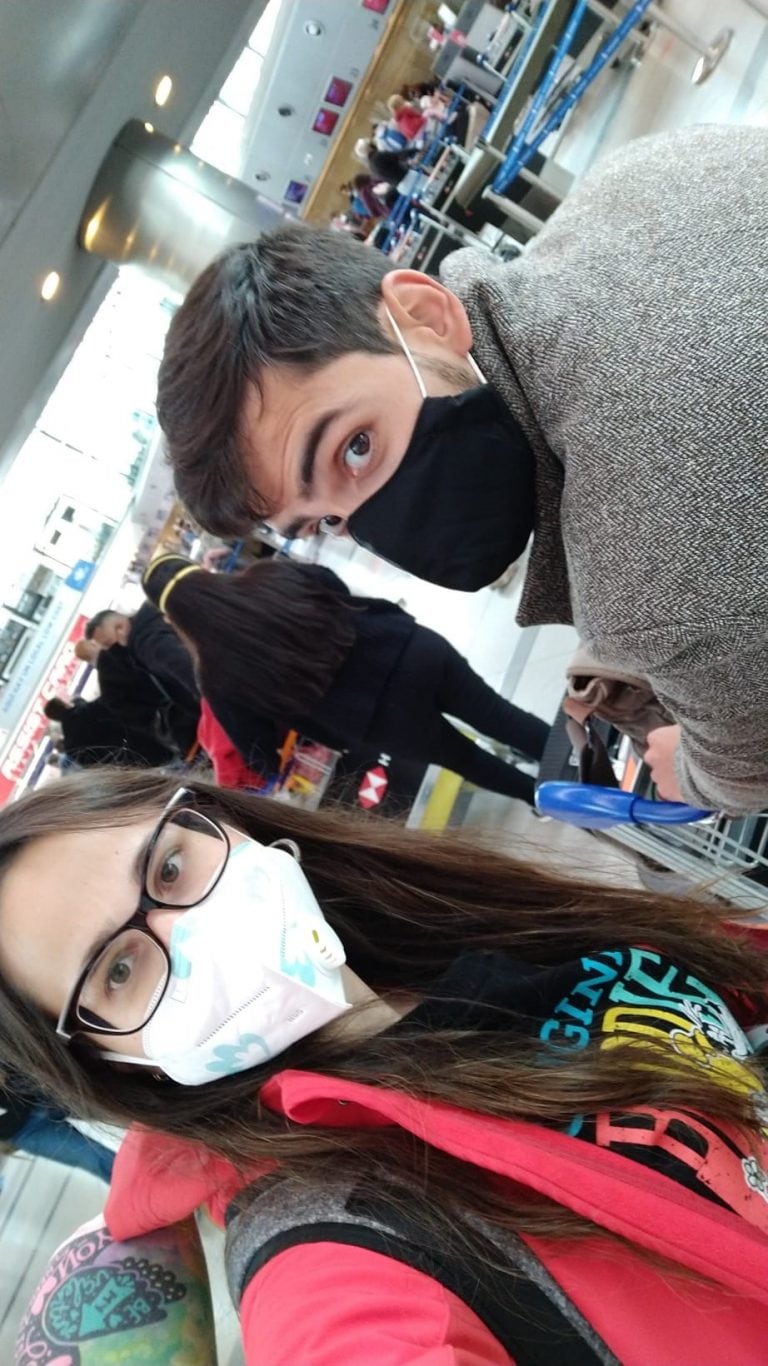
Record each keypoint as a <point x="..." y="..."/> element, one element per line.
<point x="456" y="1111"/>
<point x="284" y="646"/>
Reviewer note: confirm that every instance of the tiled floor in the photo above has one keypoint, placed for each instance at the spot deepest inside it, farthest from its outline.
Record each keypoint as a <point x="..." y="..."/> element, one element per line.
<point x="40" y="1203"/>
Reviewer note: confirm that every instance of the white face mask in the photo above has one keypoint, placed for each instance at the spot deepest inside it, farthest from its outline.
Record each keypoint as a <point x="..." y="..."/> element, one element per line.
<point x="254" y="968"/>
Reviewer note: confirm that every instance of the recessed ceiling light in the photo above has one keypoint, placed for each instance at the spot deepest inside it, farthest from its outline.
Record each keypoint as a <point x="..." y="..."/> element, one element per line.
<point x="313" y="28"/>
<point x="50" y="286"/>
<point x="163" y="90"/>
<point x="149" y="127"/>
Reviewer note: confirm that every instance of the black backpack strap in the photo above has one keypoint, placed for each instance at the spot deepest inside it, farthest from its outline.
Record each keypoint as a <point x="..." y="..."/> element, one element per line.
<point x="508" y="1289"/>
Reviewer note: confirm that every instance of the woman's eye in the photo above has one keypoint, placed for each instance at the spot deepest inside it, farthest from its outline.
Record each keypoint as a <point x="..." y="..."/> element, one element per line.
<point x="119" y="973"/>
<point x="170" y="870"/>
<point x="357" y="452"/>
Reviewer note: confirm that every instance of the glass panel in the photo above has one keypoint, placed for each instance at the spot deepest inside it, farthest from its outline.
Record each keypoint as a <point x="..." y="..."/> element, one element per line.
<point x="218" y="139"/>
<point x="261" y="37"/>
<point x="240" y="86"/>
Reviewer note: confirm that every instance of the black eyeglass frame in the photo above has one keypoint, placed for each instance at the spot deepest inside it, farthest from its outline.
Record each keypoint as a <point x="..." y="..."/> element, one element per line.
<point x="184" y="799"/>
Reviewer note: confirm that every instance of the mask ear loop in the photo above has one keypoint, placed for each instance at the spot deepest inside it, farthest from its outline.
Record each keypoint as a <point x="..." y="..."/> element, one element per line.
<point x="413" y="365"/>
<point x="408" y="356"/>
<point x="288" y="844"/>
<point x="476" y="368"/>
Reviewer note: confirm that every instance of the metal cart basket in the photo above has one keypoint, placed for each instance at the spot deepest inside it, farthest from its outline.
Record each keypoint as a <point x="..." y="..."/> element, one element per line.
<point x="678" y="847"/>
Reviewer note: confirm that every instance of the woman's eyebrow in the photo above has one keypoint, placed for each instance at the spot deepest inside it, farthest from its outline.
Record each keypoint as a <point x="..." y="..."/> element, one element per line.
<point x="137" y="871"/>
<point x="141" y="857"/>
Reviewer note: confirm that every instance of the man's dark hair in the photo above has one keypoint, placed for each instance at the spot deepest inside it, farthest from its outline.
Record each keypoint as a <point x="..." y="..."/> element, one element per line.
<point x="55" y="708"/>
<point x="298" y="296"/>
<point x="99" y="619"/>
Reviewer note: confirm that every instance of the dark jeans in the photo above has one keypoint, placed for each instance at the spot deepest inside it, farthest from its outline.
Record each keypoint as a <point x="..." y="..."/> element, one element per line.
<point x="46" y="1133"/>
<point x="431" y="679"/>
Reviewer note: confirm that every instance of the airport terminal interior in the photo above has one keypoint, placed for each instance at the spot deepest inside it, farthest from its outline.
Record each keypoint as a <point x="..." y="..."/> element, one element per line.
<point x="140" y="139"/>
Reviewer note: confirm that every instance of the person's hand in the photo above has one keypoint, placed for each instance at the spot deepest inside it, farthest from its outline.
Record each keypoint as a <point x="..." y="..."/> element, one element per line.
<point x="214" y="554"/>
<point x="663" y="745"/>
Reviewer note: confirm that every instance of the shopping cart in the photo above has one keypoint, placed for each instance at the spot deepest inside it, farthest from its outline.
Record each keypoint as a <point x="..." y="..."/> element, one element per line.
<point x="679" y="846"/>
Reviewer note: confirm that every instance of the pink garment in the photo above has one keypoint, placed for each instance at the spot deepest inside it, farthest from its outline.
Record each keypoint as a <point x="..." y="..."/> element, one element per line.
<point x="327" y="1304"/>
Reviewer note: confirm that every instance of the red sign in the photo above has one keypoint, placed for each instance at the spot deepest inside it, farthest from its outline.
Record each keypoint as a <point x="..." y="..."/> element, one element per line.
<point x="32" y="728"/>
<point x="373" y="788"/>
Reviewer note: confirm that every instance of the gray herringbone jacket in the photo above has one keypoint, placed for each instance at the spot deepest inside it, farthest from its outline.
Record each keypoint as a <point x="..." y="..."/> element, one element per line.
<point x="630" y="340"/>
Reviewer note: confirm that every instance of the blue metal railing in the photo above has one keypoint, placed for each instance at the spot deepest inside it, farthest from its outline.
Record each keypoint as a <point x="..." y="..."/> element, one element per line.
<point x="519" y="155"/>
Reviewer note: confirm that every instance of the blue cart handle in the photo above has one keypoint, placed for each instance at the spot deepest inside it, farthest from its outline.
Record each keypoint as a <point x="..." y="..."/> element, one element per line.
<point x="598" y="808"/>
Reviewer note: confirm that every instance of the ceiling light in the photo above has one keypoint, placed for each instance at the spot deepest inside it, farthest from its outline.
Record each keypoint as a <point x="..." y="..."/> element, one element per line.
<point x="313" y="28"/>
<point x="163" y="90"/>
<point x="93" y="226"/>
<point x="50" y="286"/>
<point x="149" y="127"/>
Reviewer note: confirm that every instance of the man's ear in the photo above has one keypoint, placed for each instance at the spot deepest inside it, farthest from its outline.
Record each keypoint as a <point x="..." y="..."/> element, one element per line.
<point x="426" y="312"/>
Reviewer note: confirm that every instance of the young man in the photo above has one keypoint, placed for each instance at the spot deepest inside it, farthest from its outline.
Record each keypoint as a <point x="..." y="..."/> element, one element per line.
<point x="92" y="734"/>
<point x="142" y="663"/>
<point x="623" y="424"/>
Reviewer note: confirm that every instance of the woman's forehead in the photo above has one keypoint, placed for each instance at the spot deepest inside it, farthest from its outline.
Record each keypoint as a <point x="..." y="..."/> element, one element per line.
<point x="57" y="894"/>
<point x="64" y="864"/>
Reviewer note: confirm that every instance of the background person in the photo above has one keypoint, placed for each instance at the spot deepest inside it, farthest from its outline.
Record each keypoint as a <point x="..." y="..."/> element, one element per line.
<point x="91" y="734"/>
<point x="229" y="766"/>
<point x="28" y="1124"/>
<point x="130" y="693"/>
<point x="154" y="649"/>
<point x="285" y="646"/>
<point x="408" y="118"/>
<point x="455" y="1107"/>
<point x="363" y="199"/>
<point x="622" y="425"/>
<point x="383" y="165"/>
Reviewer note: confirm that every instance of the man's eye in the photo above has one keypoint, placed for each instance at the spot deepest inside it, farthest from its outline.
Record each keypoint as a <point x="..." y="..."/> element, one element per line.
<point x="357" y="452"/>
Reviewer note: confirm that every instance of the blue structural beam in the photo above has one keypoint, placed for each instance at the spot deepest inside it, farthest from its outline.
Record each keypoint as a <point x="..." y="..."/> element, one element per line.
<point x="514" y="72"/>
<point x="519" y="156"/>
<point x="562" y="48"/>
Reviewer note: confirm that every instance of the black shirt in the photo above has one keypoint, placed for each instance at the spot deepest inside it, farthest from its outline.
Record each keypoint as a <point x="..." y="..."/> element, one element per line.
<point x="94" y="735"/>
<point x="342" y="717"/>
<point x="609" y="995"/>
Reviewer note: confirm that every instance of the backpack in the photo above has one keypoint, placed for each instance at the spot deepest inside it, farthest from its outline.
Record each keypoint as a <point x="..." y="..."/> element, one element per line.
<point x="521" y="1304"/>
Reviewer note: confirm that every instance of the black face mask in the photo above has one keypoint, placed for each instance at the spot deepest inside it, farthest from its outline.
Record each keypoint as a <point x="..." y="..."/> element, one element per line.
<point x="460" y="507"/>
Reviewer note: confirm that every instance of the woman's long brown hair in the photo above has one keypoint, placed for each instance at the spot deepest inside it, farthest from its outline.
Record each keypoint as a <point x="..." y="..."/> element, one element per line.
<point x="272" y="637"/>
<point x="405" y="905"/>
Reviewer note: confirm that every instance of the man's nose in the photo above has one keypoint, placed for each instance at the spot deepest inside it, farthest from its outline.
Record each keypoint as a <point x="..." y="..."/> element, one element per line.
<point x="161" y="920"/>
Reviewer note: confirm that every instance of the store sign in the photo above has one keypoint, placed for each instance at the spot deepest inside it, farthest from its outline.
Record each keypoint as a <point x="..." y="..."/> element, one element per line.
<point x="80" y="575"/>
<point x="15" y="695"/>
<point x="22" y="750"/>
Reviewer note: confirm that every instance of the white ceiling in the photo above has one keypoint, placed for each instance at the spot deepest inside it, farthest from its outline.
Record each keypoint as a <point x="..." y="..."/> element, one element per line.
<point x="72" y="72"/>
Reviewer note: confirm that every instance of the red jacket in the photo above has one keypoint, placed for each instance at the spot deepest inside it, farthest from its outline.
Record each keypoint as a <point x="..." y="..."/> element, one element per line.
<point x="229" y="766"/>
<point x="321" y="1305"/>
<point x="410" y="121"/>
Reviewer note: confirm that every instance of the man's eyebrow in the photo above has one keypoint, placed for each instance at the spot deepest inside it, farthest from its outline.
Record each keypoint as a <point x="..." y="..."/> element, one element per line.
<point x="309" y="454"/>
<point x="307" y="468"/>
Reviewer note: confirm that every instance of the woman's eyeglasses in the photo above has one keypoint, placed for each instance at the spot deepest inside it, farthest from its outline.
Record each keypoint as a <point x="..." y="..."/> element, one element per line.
<point x="123" y="983"/>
